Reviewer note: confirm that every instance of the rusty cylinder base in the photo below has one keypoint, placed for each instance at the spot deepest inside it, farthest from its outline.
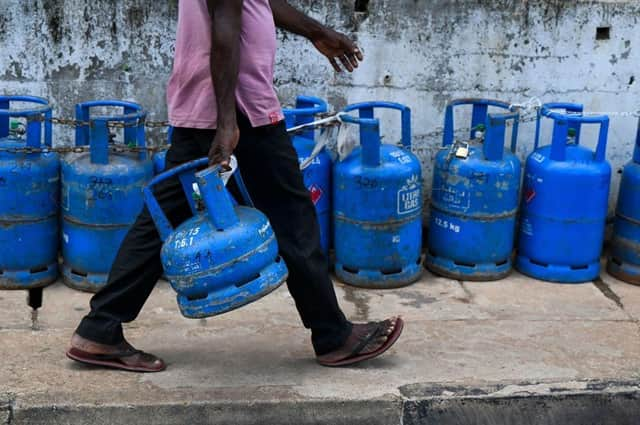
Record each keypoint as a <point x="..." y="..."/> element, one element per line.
<point x="625" y="272"/>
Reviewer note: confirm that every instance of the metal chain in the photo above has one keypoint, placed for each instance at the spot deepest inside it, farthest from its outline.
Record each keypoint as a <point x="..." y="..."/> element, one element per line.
<point x="113" y="148"/>
<point x="81" y="149"/>
<point x="70" y="122"/>
<point x="156" y="124"/>
<point x="327" y="121"/>
<point x="528" y="110"/>
<point x="525" y="119"/>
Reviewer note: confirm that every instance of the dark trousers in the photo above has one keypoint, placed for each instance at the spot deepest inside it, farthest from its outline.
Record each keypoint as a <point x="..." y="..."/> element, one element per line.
<point x="269" y="167"/>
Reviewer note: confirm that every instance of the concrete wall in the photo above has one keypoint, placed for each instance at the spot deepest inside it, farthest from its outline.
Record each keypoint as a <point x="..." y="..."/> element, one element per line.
<point x="418" y="52"/>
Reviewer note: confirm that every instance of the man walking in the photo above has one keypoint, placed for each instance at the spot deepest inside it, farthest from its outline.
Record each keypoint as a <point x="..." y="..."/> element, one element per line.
<point x="221" y="101"/>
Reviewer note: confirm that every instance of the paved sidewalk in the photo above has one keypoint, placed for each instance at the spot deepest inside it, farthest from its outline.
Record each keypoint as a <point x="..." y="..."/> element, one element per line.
<point x="517" y="351"/>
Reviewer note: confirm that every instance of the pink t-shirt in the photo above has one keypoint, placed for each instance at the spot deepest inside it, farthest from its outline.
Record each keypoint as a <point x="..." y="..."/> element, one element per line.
<point x="190" y="94"/>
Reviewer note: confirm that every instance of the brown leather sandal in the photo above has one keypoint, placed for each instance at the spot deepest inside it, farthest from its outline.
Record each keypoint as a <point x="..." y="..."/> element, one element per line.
<point x="356" y="356"/>
<point x="147" y="362"/>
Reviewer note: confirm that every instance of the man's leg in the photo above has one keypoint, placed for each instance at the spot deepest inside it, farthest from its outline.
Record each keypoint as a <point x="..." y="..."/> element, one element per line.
<point x="269" y="165"/>
<point x="270" y="168"/>
<point x="137" y="266"/>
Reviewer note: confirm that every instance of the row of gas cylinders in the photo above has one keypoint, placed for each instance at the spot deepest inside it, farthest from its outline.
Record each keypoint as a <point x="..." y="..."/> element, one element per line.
<point x="482" y="207"/>
<point x="82" y="204"/>
<point x="371" y="203"/>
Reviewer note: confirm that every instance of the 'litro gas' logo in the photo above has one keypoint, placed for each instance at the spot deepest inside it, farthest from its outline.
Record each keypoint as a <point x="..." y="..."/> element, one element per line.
<point x="409" y="196"/>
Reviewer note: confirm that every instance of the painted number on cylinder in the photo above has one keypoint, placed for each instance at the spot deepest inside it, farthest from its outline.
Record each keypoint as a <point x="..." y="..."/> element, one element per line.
<point x="366" y="182"/>
<point x="314" y="161"/>
<point x="445" y="224"/>
<point x="401" y="157"/>
<point x="100" y="187"/>
<point x="185" y="239"/>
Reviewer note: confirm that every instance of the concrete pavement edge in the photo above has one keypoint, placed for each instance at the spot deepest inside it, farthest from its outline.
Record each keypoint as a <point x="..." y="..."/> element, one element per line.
<point x="577" y="402"/>
<point x="6" y="408"/>
<point x="567" y="403"/>
<point x="300" y="412"/>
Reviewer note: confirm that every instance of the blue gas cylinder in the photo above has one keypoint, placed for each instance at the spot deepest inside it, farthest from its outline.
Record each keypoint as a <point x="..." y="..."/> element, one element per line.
<point x="29" y="196"/>
<point x="317" y="173"/>
<point x="475" y="195"/>
<point x="624" y="255"/>
<point x="223" y="257"/>
<point x="564" y="200"/>
<point x="101" y="193"/>
<point x="160" y="157"/>
<point x="377" y="195"/>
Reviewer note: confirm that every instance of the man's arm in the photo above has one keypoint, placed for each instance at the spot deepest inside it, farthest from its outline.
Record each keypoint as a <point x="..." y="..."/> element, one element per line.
<point x="332" y="44"/>
<point x="225" y="56"/>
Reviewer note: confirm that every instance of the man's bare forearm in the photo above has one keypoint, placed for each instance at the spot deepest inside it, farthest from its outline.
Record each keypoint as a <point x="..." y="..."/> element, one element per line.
<point x="225" y="57"/>
<point x="290" y="19"/>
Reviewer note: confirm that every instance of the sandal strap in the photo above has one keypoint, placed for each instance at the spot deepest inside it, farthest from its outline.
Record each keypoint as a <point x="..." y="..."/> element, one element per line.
<point x="371" y="337"/>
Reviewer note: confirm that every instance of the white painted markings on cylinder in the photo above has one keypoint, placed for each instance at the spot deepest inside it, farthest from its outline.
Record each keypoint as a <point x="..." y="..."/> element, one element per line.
<point x="538" y="157"/>
<point x="409" y="196"/>
<point x="185" y="238"/>
<point x="447" y="225"/>
<point x="401" y="157"/>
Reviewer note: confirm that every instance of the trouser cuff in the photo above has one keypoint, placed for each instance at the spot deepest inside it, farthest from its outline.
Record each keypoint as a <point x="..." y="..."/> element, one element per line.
<point x="101" y="331"/>
<point x="331" y="343"/>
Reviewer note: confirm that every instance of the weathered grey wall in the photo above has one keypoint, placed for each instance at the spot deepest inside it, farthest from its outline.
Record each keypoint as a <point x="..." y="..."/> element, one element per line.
<point x="418" y="52"/>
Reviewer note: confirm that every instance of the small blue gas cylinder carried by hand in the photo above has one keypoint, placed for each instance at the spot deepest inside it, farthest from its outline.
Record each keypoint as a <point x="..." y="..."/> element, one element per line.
<point x="223" y="257"/>
<point x="29" y="195"/>
<point x="564" y="200"/>
<point x="317" y="173"/>
<point x="101" y="192"/>
<point x="624" y="255"/>
<point x="475" y="196"/>
<point x="377" y="194"/>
